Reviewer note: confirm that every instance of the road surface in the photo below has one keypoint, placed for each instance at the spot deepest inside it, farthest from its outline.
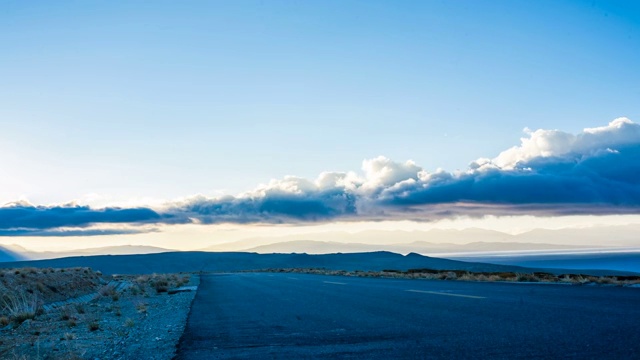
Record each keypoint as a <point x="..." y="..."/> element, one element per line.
<point x="296" y="316"/>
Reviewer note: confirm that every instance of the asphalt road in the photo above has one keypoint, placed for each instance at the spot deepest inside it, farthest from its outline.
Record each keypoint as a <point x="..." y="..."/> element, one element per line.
<point x="293" y="316"/>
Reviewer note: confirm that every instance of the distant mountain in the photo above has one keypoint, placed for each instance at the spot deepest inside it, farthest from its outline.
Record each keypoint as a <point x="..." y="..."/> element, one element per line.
<point x="21" y="253"/>
<point x="420" y="247"/>
<point x="8" y="254"/>
<point x="169" y="262"/>
<point x="313" y="247"/>
<point x="621" y="261"/>
<point x="622" y="235"/>
<point x="374" y="237"/>
<point x="439" y="241"/>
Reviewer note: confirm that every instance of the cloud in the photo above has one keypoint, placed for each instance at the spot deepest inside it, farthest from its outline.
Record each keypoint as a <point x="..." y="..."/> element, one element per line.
<point x="280" y="202"/>
<point x="70" y="233"/>
<point x="621" y="132"/>
<point x="22" y="218"/>
<point x="550" y="172"/>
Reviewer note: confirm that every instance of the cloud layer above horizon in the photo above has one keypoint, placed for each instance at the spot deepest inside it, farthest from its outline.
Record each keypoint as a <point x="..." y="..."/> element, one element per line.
<point x="550" y="173"/>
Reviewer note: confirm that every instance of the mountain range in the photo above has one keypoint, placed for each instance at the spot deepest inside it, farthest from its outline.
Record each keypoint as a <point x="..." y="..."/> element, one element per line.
<point x="440" y="240"/>
<point x="16" y="252"/>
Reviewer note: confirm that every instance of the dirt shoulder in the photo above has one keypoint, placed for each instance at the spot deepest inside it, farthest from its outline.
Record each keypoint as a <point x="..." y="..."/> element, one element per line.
<point x="109" y="317"/>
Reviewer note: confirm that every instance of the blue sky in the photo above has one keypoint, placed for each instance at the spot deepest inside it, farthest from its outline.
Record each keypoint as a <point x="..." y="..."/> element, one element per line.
<point x="139" y="102"/>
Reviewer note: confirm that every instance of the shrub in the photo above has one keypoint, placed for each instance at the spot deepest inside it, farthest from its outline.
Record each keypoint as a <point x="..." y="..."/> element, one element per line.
<point x="526" y="278"/>
<point x="107" y="290"/>
<point x="141" y="280"/>
<point x="161" y="286"/>
<point x="80" y="308"/>
<point x="19" y="306"/>
<point x="94" y="325"/>
<point x="606" y="280"/>
<point x="142" y="308"/>
<point x="66" y="313"/>
<point x="40" y="287"/>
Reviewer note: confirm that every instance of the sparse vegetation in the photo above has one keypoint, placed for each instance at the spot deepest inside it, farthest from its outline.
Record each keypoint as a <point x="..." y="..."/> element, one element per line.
<point x="141" y="307"/>
<point x="107" y="291"/>
<point x="80" y="308"/>
<point x="462" y="275"/>
<point x="94" y="325"/>
<point x="77" y="330"/>
<point x="161" y="283"/>
<point x="19" y="306"/>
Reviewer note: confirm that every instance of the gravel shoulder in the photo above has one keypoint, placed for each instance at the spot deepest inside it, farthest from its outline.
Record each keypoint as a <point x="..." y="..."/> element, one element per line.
<point x="139" y="319"/>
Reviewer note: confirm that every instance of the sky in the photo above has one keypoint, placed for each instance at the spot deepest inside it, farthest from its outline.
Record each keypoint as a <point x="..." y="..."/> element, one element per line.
<point x="119" y="118"/>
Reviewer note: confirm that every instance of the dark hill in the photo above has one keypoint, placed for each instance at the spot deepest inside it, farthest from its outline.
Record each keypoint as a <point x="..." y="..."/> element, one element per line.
<point x="235" y="261"/>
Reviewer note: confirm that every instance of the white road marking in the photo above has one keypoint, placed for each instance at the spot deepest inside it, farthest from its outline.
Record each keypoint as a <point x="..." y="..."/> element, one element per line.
<point x="448" y="294"/>
<point x="334" y="282"/>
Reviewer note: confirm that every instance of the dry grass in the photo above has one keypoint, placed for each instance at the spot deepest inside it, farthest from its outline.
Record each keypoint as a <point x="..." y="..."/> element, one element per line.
<point x="23" y="291"/>
<point x="107" y="291"/>
<point x="48" y="284"/>
<point x="141" y="307"/>
<point x="157" y="283"/>
<point x="94" y="325"/>
<point x="19" y="306"/>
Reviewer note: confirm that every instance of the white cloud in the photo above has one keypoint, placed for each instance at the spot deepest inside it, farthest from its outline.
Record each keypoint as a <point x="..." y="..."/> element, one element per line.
<point x="381" y="172"/>
<point x="555" y="143"/>
<point x="551" y="172"/>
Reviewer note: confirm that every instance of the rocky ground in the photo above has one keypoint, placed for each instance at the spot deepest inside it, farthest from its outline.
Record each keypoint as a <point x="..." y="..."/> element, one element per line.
<point x="136" y="319"/>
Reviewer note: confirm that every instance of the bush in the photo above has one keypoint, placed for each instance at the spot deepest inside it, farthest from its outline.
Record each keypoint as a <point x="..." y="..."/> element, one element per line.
<point x="20" y="306"/>
<point x="141" y="307"/>
<point x="107" y="290"/>
<point x="161" y="287"/>
<point x="94" y="325"/>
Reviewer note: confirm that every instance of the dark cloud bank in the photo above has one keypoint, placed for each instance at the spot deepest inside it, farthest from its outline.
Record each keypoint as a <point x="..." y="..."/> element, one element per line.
<point x="550" y="173"/>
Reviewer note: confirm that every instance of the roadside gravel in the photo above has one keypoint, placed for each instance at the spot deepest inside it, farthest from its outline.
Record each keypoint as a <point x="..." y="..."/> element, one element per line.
<point x="141" y="322"/>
